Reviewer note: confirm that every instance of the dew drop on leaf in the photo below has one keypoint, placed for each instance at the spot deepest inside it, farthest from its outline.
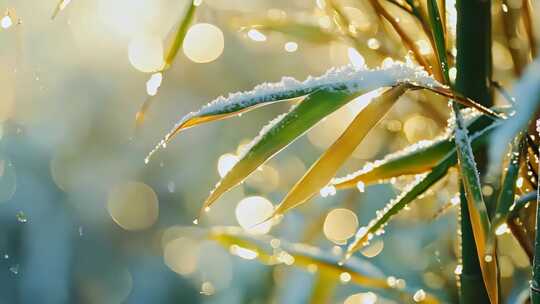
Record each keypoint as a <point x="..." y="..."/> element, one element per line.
<point x="21" y="217"/>
<point x="14" y="269"/>
<point x="419" y="295"/>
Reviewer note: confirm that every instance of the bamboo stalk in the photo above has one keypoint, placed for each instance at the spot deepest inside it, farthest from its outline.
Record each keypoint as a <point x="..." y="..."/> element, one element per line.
<point x="473" y="80"/>
<point x="535" y="282"/>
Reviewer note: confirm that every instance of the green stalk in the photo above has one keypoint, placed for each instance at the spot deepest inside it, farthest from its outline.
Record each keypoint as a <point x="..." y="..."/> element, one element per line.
<point x="473" y="80"/>
<point x="535" y="282"/>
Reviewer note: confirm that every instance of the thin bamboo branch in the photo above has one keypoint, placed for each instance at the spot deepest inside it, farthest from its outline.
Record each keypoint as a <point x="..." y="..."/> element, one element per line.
<point x="527" y="21"/>
<point x="407" y="41"/>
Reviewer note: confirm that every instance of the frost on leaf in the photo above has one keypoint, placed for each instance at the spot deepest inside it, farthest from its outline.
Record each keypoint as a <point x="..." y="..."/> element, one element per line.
<point x="414" y="159"/>
<point x="347" y="79"/>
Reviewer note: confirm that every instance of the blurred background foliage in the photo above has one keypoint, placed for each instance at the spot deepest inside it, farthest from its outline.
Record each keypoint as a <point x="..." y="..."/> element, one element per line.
<point x="85" y="220"/>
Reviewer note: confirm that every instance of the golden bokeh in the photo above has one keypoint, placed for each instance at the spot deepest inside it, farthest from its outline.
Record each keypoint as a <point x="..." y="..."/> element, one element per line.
<point x="204" y="42"/>
<point x="225" y="163"/>
<point x="266" y="179"/>
<point x="340" y="224"/>
<point x="145" y="53"/>
<point x="181" y="255"/>
<point x="251" y="211"/>
<point x="362" y="298"/>
<point x="373" y="249"/>
<point x="419" y="127"/>
<point x="133" y="205"/>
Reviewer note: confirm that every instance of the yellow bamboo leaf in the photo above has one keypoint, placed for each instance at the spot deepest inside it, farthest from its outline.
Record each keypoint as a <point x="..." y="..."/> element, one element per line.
<point x="325" y="168"/>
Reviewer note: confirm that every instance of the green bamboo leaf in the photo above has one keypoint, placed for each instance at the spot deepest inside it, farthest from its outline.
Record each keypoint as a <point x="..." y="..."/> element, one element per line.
<point x="507" y="192"/>
<point x="171" y="51"/>
<point x="278" y="134"/>
<point x="345" y="79"/>
<point x="62" y="4"/>
<point x="326" y="94"/>
<point x="477" y="208"/>
<point x="418" y="158"/>
<point x="437" y="30"/>
<point x="179" y="36"/>
<point x="326" y="167"/>
<point x="423" y="183"/>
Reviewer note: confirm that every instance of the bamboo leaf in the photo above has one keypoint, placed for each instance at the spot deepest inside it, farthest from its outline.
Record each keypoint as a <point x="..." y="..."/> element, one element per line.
<point x="180" y="35"/>
<point x="303" y="31"/>
<point x="323" y="289"/>
<point x="418" y="158"/>
<point x="345" y="79"/>
<point x="437" y="30"/>
<point x="277" y="135"/>
<point x="62" y="4"/>
<point x="415" y="159"/>
<point x="272" y="251"/>
<point x="477" y="208"/>
<point x="405" y="38"/>
<point x="526" y="92"/>
<point x="300" y="255"/>
<point x="326" y="167"/>
<point x="423" y="183"/>
<point x="171" y="51"/>
<point x="507" y="191"/>
<point x="375" y="227"/>
<point x="521" y="202"/>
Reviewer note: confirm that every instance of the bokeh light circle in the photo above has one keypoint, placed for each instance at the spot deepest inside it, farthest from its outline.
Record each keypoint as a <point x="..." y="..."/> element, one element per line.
<point x="133" y="206"/>
<point x="204" y="42"/>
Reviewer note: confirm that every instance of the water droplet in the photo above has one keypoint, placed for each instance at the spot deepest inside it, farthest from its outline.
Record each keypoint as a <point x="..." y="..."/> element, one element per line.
<point x="196" y="221"/>
<point x="419" y="295"/>
<point x="488" y="258"/>
<point x="360" y="186"/>
<point x="171" y="186"/>
<point x="207" y="289"/>
<point x="345" y="277"/>
<point x="6" y="256"/>
<point x="391" y="281"/>
<point x="502" y="229"/>
<point x="255" y="35"/>
<point x="21" y="217"/>
<point x="519" y="182"/>
<point x="458" y="270"/>
<point x="291" y="46"/>
<point x="14" y="269"/>
<point x="6" y="22"/>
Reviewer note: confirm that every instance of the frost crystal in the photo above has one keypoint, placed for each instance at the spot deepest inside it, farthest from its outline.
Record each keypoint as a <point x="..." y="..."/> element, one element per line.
<point x="346" y="78"/>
